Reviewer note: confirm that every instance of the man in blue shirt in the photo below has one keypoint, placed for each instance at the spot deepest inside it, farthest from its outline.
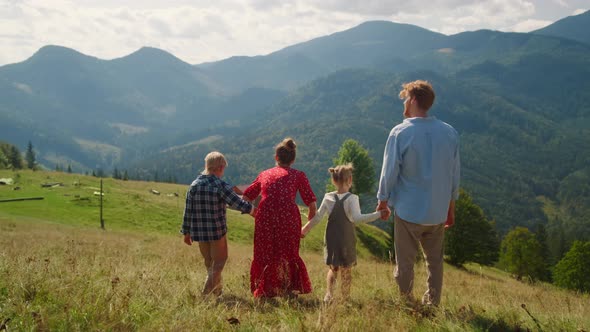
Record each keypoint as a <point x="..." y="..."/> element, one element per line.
<point x="420" y="181"/>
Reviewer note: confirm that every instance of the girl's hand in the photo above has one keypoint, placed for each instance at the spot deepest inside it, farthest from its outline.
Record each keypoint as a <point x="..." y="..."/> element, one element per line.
<point x="304" y="230"/>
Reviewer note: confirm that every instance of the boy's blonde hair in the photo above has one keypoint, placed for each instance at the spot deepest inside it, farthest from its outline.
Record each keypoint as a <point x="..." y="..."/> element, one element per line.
<point x="341" y="173"/>
<point x="214" y="160"/>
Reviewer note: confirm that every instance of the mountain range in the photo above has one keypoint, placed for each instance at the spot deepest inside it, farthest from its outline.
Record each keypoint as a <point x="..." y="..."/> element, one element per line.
<point x="521" y="102"/>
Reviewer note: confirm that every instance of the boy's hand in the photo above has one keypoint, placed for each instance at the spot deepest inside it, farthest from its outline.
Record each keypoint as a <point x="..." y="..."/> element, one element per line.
<point x="187" y="239"/>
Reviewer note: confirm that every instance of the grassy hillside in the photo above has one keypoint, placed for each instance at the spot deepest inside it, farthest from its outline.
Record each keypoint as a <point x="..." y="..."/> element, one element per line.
<point x="132" y="206"/>
<point x="71" y="278"/>
<point x="59" y="271"/>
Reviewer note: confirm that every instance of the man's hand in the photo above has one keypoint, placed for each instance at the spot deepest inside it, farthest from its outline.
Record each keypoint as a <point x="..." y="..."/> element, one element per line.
<point x="384" y="209"/>
<point x="187" y="239"/>
<point x="253" y="211"/>
<point x="450" y="215"/>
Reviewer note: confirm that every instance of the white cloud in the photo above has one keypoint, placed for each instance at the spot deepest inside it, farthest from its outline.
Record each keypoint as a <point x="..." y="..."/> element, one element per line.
<point x="562" y="3"/>
<point x="529" y="25"/>
<point x="201" y="30"/>
<point x="579" y="11"/>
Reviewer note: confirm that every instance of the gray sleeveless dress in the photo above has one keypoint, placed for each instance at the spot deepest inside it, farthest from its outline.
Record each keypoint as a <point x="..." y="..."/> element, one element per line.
<point x="340" y="239"/>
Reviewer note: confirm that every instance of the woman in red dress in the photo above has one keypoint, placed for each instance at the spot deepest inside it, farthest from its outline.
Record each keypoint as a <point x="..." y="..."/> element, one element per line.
<point x="277" y="268"/>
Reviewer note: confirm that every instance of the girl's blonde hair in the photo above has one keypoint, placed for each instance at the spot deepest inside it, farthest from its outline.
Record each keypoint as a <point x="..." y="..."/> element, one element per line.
<point x="341" y="173"/>
<point x="214" y="160"/>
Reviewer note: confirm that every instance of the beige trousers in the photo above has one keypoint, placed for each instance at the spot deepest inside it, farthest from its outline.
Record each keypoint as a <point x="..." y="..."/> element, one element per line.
<point x="406" y="237"/>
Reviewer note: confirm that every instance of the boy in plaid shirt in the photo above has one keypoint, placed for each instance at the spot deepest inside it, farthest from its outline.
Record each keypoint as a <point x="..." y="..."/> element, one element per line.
<point x="205" y="218"/>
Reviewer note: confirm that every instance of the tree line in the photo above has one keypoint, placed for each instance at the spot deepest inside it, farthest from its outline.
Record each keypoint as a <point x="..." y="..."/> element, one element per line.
<point x="11" y="157"/>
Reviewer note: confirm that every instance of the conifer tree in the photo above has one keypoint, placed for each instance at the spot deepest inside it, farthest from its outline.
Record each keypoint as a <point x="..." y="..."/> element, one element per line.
<point x="116" y="174"/>
<point x="541" y="236"/>
<point x="15" y="158"/>
<point x="30" y="156"/>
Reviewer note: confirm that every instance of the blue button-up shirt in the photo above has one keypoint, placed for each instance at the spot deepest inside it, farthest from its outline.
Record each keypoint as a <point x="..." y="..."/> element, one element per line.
<point x="420" y="174"/>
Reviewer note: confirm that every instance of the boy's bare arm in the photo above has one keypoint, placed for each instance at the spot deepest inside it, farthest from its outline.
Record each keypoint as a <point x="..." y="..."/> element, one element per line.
<point x="187" y="239"/>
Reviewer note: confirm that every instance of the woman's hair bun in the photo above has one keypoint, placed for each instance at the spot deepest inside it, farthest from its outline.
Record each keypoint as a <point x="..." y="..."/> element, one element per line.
<point x="290" y="143"/>
<point x="331" y="170"/>
<point x="286" y="151"/>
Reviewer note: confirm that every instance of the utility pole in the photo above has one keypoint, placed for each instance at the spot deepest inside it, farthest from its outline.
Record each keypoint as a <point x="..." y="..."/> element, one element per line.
<point x="101" y="193"/>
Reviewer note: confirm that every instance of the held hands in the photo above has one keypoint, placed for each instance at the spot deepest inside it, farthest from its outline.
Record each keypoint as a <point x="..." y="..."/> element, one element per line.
<point x="253" y="211"/>
<point x="384" y="209"/>
<point x="304" y="230"/>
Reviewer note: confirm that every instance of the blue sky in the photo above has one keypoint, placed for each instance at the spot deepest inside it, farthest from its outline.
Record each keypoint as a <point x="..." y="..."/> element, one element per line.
<point x="199" y="31"/>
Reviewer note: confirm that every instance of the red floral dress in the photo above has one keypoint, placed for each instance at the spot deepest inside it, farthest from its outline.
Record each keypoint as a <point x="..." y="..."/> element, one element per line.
<point x="277" y="269"/>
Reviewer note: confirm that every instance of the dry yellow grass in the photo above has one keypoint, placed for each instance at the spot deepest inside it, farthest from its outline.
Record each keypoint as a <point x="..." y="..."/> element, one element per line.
<point x="71" y="278"/>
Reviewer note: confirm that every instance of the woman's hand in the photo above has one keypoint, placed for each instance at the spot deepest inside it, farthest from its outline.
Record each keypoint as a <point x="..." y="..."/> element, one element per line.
<point x="312" y="211"/>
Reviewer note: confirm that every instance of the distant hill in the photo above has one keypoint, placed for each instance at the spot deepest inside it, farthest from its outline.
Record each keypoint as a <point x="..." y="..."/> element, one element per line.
<point x="509" y="102"/>
<point x="367" y="45"/>
<point x="572" y="27"/>
<point x="95" y="113"/>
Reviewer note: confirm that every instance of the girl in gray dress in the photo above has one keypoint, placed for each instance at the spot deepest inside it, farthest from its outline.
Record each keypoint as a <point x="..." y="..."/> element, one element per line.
<point x="343" y="211"/>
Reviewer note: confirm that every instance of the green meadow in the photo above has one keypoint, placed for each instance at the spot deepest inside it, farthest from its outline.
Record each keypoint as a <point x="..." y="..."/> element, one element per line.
<point x="59" y="271"/>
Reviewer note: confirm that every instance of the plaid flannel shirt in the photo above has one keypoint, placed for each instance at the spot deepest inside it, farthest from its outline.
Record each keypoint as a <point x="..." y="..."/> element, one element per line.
<point x="204" y="214"/>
